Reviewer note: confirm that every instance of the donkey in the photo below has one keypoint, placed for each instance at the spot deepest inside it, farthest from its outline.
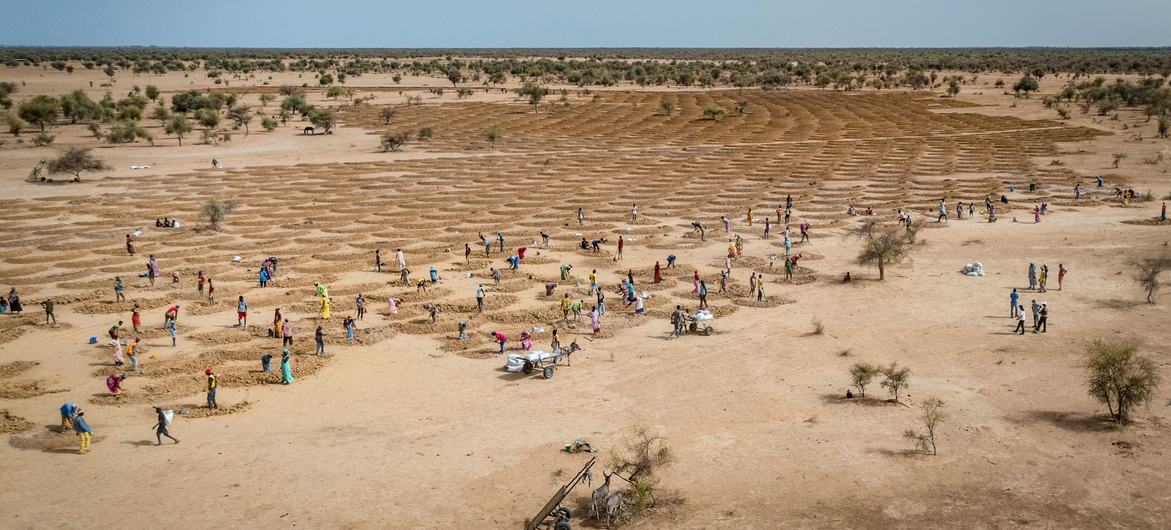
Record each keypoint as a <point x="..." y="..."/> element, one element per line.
<point x="600" y="495"/>
<point x="309" y="130"/>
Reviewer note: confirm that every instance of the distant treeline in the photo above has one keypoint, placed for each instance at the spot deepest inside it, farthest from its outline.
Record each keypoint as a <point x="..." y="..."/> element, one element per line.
<point x="609" y="66"/>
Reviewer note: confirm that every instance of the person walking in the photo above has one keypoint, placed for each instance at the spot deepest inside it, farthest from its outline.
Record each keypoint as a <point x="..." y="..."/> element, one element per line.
<point x="634" y="213"/>
<point x="200" y="281"/>
<point x="287" y="333"/>
<point x="14" y="305"/>
<point x="658" y="273"/>
<point x="677" y="321"/>
<point x="400" y="258"/>
<point x="84" y="432"/>
<point x="1020" y="323"/>
<point x="164" y="422"/>
<point x="319" y="339"/>
<point x="565" y="304"/>
<point x="213" y="384"/>
<point x="580" y="217"/>
<point x="1043" y="278"/>
<point x="480" y="298"/>
<point x="241" y="313"/>
<point x="702" y="295"/>
<point x="942" y="211"/>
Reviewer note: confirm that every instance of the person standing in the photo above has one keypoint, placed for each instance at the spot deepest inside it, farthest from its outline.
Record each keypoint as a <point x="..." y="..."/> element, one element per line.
<point x="634" y="213"/>
<point x="119" y="290"/>
<point x="580" y="217"/>
<point x="84" y="432"/>
<point x="1032" y="276"/>
<point x="1061" y="270"/>
<point x="286" y="368"/>
<point x="1020" y="323"/>
<point x="676" y="321"/>
<point x="601" y="302"/>
<point x="749" y="217"/>
<point x="287" y="333"/>
<point x="400" y="258"/>
<point x="942" y="211"/>
<point x="595" y="320"/>
<point x="727" y="224"/>
<point x="1036" y="308"/>
<point x="210" y="292"/>
<point x="1043" y="319"/>
<point x="14" y="305"/>
<point x="467" y="254"/>
<point x="378" y="259"/>
<point x="241" y="312"/>
<point x="200" y="280"/>
<point x="325" y="306"/>
<point x="212" y="385"/>
<point x="1014" y="298"/>
<point x="565" y="307"/>
<point x="48" y="305"/>
<point x="788" y="269"/>
<point x="658" y="273"/>
<point x="68" y="411"/>
<point x="621" y="244"/>
<point x="702" y="295"/>
<point x="360" y="302"/>
<point x="1043" y="278"/>
<point x="164" y="422"/>
<point x="480" y="298"/>
<point x="319" y="339"/>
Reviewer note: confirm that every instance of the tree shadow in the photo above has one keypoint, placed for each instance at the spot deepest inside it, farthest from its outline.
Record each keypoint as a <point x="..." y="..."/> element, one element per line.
<point x="1118" y="304"/>
<point x="840" y="399"/>
<point x="1071" y="421"/>
<point x="904" y="453"/>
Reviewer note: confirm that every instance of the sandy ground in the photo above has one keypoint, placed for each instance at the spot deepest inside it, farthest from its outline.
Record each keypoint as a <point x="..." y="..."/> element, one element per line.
<point x="407" y="427"/>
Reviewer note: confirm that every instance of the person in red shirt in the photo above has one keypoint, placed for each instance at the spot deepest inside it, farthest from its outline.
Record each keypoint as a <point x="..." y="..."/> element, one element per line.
<point x="171" y="314"/>
<point x="135" y="318"/>
<point x="621" y="244"/>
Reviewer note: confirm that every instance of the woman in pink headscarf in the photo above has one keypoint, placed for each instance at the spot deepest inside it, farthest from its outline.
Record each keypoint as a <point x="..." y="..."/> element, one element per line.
<point x="114" y="383"/>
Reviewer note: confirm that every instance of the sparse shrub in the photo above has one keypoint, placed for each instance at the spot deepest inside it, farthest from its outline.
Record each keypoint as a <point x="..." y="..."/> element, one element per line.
<point x="640" y="458"/>
<point x="1026" y="85"/>
<point x="1118" y="377"/>
<point x="931" y="415"/>
<point x="713" y="112"/>
<point x="215" y="210"/>
<point x="41" y="110"/>
<point x="425" y="133"/>
<point x="1118" y="157"/>
<point x="126" y="131"/>
<point x="42" y="139"/>
<point x="667" y="106"/>
<point x="15" y="124"/>
<point x="268" y="123"/>
<point x="394" y="141"/>
<point x="1063" y="113"/>
<point x="492" y="134"/>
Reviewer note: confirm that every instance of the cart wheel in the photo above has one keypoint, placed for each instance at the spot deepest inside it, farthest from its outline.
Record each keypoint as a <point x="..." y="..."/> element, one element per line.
<point x="528" y="367"/>
<point x="707" y="331"/>
<point x="692" y="327"/>
<point x="565" y="511"/>
<point x="562" y="525"/>
<point x="548" y="372"/>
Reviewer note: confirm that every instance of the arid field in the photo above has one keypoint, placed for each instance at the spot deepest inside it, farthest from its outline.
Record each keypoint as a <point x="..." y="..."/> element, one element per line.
<point x="407" y="426"/>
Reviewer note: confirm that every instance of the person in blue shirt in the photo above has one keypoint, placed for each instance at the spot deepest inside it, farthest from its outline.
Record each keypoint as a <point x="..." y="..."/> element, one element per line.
<point x="84" y="433"/>
<point x="68" y="412"/>
<point x="266" y="362"/>
<point x="1014" y="298"/>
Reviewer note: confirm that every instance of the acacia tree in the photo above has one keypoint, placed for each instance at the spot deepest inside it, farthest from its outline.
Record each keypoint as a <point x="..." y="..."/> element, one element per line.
<point x="178" y="126"/>
<point x="1148" y="272"/>
<point x="387" y="113"/>
<point x="215" y="210"/>
<point x="394" y="141"/>
<point x="40" y="110"/>
<point x="242" y="115"/>
<point x="897" y="379"/>
<point x="534" y="92"/>
<point x="323" y="119"/>
<point x="1118" y="377"/>
<point x="1025" y="85"/>
<point x="861" y="374"/>
<point x="75" y="161"/>
<point x="713" y="112"/>
<point x="883" y="245"/>
<point x="265" y="99"/>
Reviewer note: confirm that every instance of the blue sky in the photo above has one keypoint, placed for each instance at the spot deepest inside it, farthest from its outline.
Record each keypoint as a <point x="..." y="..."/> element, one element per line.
<point x="590" y="23"/>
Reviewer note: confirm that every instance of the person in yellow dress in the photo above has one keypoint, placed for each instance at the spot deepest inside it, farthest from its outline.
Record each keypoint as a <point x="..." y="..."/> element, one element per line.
<point x="325" y="307"/>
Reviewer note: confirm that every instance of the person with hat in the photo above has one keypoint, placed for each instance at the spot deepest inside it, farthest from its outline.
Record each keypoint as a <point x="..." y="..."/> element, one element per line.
<point x="84" y="432"/>
<point x="164" y="417"/>
<point x="286" y="369"/>
<point x="212" y="385"/>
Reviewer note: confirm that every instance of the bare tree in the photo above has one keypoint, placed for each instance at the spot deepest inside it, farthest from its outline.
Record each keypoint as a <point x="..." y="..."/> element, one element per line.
<point x="931" y="415"/>
<point x="1149" y="270"/>
<point x="394" y="141"/>
<point x="387" y="114"/>
<point x="640" y="457"/>
<point x="1118" y="377"/>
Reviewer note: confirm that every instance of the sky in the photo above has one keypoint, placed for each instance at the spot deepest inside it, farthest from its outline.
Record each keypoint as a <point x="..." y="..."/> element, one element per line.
<point x="589" y="23"/>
